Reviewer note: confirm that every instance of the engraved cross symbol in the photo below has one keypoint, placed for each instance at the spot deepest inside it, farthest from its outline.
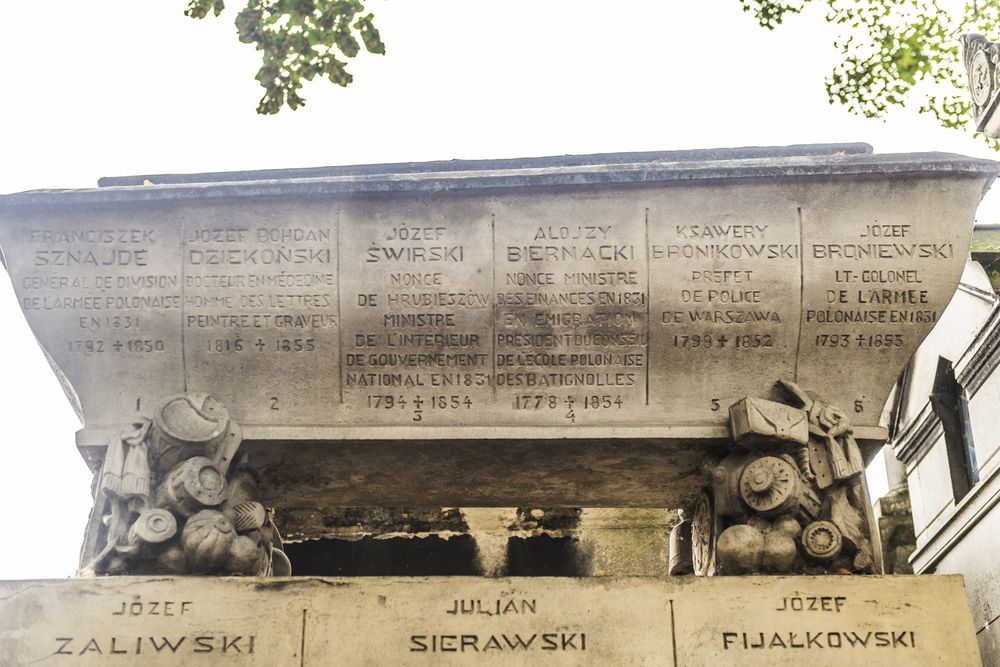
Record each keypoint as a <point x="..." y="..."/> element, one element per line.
<point x="259" y="344"/>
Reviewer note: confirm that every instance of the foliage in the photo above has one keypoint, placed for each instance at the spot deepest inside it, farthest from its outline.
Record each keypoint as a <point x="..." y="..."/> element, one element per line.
<point x="298" y="40"/>
<point x="895" y="52"/>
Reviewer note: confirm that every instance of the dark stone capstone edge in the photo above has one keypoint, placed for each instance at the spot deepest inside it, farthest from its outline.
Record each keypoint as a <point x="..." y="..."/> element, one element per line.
<point x="587" y="175"/>
<point x="700" y="155"/>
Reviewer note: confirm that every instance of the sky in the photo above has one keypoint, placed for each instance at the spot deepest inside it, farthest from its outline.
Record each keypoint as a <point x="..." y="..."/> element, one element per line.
<point x="128" y="86"/>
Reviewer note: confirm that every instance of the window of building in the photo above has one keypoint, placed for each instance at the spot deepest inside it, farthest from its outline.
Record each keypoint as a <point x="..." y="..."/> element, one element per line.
<point x="951" y="405"/>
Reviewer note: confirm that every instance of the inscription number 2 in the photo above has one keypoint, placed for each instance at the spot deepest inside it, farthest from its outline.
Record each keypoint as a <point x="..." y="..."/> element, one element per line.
<point x="274" y="402"/>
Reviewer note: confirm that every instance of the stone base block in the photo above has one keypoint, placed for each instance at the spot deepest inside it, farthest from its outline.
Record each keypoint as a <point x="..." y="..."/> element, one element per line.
<point x="815" y="621"/>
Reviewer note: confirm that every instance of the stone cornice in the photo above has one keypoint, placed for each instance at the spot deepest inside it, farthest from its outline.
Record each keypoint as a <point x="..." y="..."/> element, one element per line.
<point x="598" y="170"/>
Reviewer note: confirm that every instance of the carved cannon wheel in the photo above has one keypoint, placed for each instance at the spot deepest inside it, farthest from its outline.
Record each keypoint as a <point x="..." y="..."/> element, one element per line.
<point x="770" y="486"/>
<point x="704" y="534"/>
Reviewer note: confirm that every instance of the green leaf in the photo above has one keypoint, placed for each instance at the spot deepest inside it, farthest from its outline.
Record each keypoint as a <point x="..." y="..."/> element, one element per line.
<point x="199" y="9"/>
<point x="369" y="34"/>
<point x="297" y="41"/>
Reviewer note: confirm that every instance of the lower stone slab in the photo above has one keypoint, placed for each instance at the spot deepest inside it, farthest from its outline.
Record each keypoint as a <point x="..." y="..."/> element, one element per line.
<point x="814" y="621"/>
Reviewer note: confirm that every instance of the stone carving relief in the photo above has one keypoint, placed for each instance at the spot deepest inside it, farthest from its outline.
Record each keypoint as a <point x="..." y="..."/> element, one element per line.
<point x="982" y="58"/>
<point x="788" y="497"/>
<point x="174" y="496"/>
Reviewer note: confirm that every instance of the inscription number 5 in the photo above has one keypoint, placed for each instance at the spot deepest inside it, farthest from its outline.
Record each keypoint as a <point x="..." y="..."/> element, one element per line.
<point x="716" y="405"/>
<point x="859" y="406"/>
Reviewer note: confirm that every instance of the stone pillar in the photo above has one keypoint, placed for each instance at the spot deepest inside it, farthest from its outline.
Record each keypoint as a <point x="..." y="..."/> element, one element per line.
<point x="895" y="470"/>
<point x="895" y="518"/>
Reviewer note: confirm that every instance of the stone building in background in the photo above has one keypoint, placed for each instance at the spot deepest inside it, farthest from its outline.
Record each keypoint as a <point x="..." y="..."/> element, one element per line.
<point x="945" y="431"/>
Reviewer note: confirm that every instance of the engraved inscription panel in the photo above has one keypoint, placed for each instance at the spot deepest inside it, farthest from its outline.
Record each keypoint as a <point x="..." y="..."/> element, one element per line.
<point x="614" y="307"/>
<point x="571" y="317"/>
<point x="103" y="293"/>
<point x="130" y="620"/>
<point x="725" y="264"/>
<point x="261" y="297"/>
<point x="418" y="621"/>
<point x="870" y="271"/>
<point x="417" y="301"/>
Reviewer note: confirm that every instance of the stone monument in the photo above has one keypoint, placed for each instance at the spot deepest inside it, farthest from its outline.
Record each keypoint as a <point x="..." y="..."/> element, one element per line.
<point x="713" y="331"/>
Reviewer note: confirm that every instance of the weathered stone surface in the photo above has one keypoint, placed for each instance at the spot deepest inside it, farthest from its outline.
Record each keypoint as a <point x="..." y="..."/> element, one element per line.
<point x="319" y="522"/>
<point x="572" y="472"/>
<point x="375" y="621"/>
<point x="407" y="323"/>
<point x="395" y="292"/>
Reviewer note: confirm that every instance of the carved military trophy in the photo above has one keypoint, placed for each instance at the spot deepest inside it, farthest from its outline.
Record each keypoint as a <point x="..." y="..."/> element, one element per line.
<point x="788" y="497"/>
<point x="174" y="496"/>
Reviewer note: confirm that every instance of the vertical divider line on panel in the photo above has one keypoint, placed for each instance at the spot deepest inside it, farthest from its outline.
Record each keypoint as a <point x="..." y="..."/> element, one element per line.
<point x="302" y="641"/>
<point x="340" y="321"/>
<point x="673" y="631"/>
<point x="648" y="296"/>
<point x="802" y="293"/>
<point x="493" y="300"/>
<point x="184" y="254"/>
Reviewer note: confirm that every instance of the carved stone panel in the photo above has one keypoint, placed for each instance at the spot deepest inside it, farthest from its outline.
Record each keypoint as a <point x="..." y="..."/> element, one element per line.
<point x="821" y="621"/>
<point x="495" y="302"/>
